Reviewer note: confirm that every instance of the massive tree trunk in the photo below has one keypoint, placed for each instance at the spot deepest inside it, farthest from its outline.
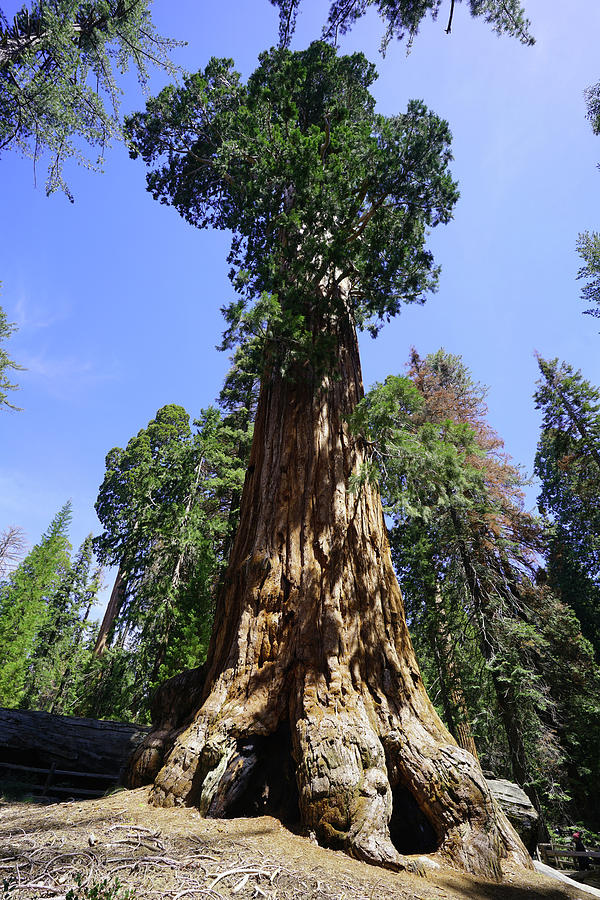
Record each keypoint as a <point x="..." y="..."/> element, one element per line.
<point x="313" y="705"/>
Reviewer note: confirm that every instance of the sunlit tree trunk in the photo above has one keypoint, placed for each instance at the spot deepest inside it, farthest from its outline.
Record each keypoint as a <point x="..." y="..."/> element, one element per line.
<point x="111" y="614"/>
<point x="313" y="705"/>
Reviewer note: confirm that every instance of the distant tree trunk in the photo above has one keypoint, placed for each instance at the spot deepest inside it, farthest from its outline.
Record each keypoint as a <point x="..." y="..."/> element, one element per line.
<point x="117" y="596"/>
<point x="454" y="700"/>
<point x="311" y="679"/>
<point x="508" y="704"/>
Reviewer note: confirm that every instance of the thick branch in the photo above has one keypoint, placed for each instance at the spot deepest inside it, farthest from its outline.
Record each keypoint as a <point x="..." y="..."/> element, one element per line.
<point x="450" y="17"/>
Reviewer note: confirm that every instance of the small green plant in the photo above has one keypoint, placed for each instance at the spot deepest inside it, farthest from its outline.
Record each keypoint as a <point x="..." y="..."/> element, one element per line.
<point x="98" y="890"/>
<point x="562" y="836"/>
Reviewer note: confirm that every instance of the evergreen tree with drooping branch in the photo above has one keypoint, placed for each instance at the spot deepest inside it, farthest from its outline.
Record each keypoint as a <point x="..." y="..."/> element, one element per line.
<point x="57" y="75"/>
<point x="568" y="466"/>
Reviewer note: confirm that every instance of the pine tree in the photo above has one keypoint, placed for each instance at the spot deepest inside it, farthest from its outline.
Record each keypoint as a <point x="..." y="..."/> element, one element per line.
<point x="61" y="652"/>
<point x="568" y="466"/>
<point x="588" y="247"/>
<point x="167" y="506"/>
<point x="25" y="606"/>
<point x="588" y="242"/>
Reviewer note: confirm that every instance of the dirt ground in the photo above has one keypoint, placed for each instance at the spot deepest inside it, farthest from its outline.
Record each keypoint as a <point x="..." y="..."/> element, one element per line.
<point x="83" y="847"/>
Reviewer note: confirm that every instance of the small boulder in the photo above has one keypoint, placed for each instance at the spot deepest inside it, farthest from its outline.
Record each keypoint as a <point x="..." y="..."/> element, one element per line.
<point x="518" y="808"/>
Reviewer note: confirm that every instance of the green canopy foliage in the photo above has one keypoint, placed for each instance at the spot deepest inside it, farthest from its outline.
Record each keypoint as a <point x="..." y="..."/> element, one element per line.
<point x="328" y="202"/>
<point x="57" y="75"/>
<point x="26" y="599"/>
<point x="167" y="505"/>
<point x="568" y="466"/>
<point x="419" y="464"/>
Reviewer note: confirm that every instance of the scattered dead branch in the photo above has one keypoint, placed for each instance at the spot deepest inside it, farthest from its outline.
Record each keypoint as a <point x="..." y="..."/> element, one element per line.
<point x="43" y="864"/>
<point x="48" y="851"/>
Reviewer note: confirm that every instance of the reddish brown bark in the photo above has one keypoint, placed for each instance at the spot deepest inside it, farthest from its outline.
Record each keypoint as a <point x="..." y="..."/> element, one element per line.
<point x="311" y="672"/>
<point x="117" y="596"/>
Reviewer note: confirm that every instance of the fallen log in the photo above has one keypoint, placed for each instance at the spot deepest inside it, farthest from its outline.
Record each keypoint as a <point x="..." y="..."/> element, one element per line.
<point x="67" y="743"/>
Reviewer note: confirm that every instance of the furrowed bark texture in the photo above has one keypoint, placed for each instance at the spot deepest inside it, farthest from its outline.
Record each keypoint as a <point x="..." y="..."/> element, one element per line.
<point x="312" y="688"/>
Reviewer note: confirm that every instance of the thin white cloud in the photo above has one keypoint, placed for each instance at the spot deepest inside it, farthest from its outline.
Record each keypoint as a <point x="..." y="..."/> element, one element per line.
<point x="68" y="372"/>
<point x="35" y="315"/>
<point x="58" y="369"/>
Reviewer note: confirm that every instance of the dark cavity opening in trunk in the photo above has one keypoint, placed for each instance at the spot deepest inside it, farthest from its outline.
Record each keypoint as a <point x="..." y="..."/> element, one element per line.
<point x="260" y="780"/>
<point x="410" y="829"/>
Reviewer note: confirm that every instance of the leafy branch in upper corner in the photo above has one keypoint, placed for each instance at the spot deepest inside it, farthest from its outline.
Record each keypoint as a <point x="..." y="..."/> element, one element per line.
<point x="57" y="76"/>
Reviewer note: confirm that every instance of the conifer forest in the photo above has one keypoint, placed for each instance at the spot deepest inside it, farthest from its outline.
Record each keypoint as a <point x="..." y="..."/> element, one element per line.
<point x="342" y="570"/>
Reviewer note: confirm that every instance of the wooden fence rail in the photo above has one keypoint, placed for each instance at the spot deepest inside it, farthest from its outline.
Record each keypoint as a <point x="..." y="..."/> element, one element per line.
<point x="49" y="788"/>
<point x="549" y="853"/>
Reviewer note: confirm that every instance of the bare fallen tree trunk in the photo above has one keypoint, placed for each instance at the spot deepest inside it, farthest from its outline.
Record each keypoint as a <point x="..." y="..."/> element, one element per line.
<point x="311" y="678"/>
<point x="67" y="742"/>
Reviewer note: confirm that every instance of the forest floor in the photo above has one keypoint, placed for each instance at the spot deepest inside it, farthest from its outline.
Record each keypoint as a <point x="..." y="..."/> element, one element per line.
<point x="84" y="847"/>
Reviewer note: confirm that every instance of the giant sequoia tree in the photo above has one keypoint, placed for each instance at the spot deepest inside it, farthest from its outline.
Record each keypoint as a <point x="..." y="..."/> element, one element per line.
<point x="311" y="695"/>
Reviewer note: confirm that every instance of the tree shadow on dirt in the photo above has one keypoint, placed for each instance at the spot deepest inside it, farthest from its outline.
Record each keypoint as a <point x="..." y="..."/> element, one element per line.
<point x="482" y="890"/>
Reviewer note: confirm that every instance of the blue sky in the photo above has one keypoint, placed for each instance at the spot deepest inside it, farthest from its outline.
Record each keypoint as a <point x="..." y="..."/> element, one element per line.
<point x="117" y="299"/>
